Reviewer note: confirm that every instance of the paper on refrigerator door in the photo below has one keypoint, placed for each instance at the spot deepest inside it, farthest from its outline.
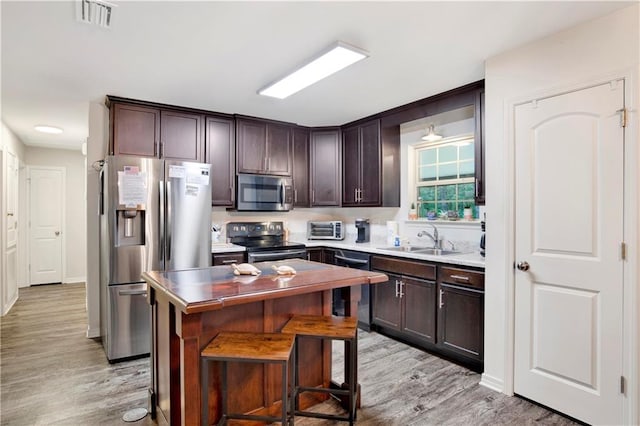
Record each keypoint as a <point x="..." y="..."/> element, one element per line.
<point x="132" y="188"/>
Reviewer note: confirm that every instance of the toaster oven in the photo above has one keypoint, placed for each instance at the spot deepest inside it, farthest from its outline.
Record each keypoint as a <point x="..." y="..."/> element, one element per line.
<point x="325" y="230"/>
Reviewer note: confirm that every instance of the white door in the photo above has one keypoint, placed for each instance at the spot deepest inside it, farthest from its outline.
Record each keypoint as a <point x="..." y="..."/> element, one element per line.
<point x="45" y="209"/>
<point x="569" y="202"/>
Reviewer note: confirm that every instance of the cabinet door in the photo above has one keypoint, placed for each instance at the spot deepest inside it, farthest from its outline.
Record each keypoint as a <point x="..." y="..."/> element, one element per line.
<point x="419" y="308"/>
<point x="325" y="168"/>
<point x="252" y="146"/>
<point x="279" y="151"/>
<point x="220" y="144"/>
<point x="461" y="320"/>
<point x="227" y="258"/>
<point x="181" y="136"/>
<point x="314" y="254"/>
<point x="386" y="303"/>
<point x="479" y="147"/>
<point x="301" y="168"/>
<point x="370" y="159"/>
<point x="135" y="130"/>
<point x="350" y="165"/>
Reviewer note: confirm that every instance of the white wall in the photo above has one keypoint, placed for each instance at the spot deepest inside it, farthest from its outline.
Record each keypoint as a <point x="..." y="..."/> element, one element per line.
<point x="595" y="51"/>
<point x="74" y="269"/>
<point x="97" y="144"/>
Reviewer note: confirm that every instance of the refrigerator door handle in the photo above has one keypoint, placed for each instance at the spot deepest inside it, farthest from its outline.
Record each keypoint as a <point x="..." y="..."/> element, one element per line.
<point x="168" y="223"/>
<point x="161" y="222"/>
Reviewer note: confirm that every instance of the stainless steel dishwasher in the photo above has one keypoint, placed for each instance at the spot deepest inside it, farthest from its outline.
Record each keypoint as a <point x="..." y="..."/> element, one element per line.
<point x="356" y="260"/>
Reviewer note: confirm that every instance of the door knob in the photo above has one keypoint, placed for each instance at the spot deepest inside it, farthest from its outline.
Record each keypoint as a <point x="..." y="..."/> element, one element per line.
<point x="57" y="233"/>
<point x="523" y="266"/>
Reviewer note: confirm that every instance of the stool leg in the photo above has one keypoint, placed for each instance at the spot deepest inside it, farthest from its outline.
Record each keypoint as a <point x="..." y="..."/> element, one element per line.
<point x="223" y="418"/>
<point x="285" y="404"/>
<point x="296" y="376"/>
<point x="353" y="386"/>
<point x="292" y="387"/>
<point x="204" y="368"/>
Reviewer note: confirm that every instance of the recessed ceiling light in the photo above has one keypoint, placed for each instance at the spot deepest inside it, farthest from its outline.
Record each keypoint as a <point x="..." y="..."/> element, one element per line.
<point x="338" y="56"/>
<point x="49" y="129"/>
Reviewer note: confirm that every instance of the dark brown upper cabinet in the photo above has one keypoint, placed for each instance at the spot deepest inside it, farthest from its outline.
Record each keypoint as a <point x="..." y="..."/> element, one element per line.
<point x="135" y="130"/>
<point x="479" y="147"/>
<point x="263" y="147"/>
<point x="220" y="143"/>
<point x="181" y="136"/>
<point x="301" y="196"/>
<point x="361" y="160"/>
<point x="146" y="131"/>
<point x="325" y="167"/>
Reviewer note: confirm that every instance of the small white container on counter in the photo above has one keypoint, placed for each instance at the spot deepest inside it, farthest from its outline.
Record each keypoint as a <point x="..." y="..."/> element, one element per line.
<point x="392" y="232"/>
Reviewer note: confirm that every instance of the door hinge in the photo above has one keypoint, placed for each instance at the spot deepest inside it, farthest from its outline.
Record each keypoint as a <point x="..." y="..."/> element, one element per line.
<point x="623" y="384"/>
<point x="623" y="117"/>
<point x="623" y="251"/>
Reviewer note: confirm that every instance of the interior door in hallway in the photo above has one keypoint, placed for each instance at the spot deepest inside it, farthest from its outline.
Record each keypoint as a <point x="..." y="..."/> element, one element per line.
<point x="569" y="230"/>
<point x="45" y="216"/>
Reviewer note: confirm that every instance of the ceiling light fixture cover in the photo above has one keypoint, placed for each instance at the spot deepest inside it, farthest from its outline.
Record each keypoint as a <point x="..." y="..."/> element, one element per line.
<point x="48" y="129"/>
<point x="338" y="56"/>
<point x="431" y="135"/>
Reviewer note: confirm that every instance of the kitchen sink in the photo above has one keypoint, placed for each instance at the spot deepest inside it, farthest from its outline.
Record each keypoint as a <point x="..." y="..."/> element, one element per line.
<point x="423" y="250"/>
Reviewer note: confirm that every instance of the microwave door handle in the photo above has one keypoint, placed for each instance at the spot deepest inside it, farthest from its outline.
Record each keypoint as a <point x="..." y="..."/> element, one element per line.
<point x="282" y="198"/>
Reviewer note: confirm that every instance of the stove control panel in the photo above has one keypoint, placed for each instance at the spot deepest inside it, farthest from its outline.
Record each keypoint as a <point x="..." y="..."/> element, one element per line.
<point x="254" y="229"/>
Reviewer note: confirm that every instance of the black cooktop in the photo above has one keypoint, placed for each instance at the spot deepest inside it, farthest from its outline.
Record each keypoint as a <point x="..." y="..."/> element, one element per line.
<point x="260" y="236"/>
<point x="253" y="245"/>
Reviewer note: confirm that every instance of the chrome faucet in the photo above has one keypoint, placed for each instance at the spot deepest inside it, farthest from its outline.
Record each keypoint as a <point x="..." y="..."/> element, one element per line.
<point x="435" y="236"/>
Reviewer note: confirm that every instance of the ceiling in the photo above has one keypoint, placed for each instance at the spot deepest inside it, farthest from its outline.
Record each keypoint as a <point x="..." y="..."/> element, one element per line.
<point x="216" y="55"/>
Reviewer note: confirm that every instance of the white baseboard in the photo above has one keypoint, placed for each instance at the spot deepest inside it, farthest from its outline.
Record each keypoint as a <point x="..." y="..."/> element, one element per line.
<point x="6" y="308"/>
<point x="93" y="332"/>
<point x="492" y="383"/>
<point x="71" y="280"/>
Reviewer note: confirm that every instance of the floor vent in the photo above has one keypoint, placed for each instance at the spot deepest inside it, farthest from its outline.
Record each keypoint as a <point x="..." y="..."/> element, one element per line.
<point x="95" y="12"/>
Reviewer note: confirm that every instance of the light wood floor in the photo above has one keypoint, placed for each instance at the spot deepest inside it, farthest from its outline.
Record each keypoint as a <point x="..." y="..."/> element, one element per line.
<point x="51" y="374"/>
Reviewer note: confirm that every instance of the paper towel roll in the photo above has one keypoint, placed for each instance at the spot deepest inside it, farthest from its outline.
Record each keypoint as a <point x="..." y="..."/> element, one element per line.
<point x="392" y="231"/>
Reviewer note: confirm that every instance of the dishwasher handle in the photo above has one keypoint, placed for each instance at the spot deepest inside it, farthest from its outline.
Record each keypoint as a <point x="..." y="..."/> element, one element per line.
<point x="351" y="260"/>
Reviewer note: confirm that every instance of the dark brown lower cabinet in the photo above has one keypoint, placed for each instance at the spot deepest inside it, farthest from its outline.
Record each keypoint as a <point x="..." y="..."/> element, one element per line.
<point x="315" y="254"/>
<point x="445" y="316"/>
<point x="227" y="258"/>
<point x="461" y="320"/>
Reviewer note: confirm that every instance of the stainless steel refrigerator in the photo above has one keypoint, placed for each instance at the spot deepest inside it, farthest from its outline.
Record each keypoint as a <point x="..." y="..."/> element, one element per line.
<point x="155" y="215"/>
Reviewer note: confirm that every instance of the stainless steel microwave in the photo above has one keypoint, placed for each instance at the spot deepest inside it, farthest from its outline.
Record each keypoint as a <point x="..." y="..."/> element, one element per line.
<point x="264" y="193"/>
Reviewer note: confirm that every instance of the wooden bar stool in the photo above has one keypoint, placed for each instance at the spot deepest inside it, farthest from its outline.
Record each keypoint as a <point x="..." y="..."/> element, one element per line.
<point x="273" y="348"/>
<point x="330" y="328"/>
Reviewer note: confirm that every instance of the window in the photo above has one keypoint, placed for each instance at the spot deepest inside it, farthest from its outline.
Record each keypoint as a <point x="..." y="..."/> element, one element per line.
<point x="445" y="176"/>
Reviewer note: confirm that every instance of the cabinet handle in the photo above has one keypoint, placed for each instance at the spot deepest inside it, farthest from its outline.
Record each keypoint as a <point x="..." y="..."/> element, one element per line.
<point x="460" y="278"/>
<point x="295" y="195"/>
<point x="269" y="163"/>
<point x="441" y="303"/>
<point x="360" y="195"/>
<point x="355" y="195"/>
<point x="229" y="261"/>
<point x="313" y="196"/>
<point x="264" y="164"/>
<point x="397" y="285"/>
<point x="476" y="187"/>
<point x="401" y="293"/>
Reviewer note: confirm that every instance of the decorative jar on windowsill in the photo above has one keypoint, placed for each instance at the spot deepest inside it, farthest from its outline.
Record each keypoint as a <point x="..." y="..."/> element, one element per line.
<point x="413" y="215"/>
<point x="468" y="213"/>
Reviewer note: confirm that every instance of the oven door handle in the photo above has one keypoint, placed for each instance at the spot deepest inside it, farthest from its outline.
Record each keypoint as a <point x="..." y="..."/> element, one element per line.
<point x="263" y="257"/>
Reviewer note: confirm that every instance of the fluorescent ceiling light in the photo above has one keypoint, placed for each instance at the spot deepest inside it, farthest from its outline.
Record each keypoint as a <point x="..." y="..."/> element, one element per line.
<point x="340" y="55"/>
<point x="49" y="129"/>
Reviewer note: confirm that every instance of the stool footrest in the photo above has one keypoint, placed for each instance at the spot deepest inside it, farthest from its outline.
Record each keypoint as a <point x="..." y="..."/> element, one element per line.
<point x="253" y="417"/>
<point x="325" y="390"/>
<point x="322" y="416"/>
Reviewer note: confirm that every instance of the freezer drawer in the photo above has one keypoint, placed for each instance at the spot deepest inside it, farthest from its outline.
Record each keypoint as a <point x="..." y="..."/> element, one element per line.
<point x="129" y="321"/>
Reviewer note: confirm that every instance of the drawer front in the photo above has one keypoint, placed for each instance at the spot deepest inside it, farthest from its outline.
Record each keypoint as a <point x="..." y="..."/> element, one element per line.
<point x="462" y="276"/>
<point x="228" y="259"/>
<point x="404" y="267"/>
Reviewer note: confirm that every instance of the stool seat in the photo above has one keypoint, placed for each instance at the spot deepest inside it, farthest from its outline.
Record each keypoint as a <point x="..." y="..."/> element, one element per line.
<point x="232" y="346"/>
<point x="330" y="327"/>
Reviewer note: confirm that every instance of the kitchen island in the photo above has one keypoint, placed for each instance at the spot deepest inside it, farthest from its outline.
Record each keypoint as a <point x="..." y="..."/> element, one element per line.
<point x="190" y="307"/>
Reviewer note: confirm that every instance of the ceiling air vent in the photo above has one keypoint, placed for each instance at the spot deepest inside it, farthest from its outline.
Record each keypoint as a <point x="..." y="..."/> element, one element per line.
<point x="95" y="12"/>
